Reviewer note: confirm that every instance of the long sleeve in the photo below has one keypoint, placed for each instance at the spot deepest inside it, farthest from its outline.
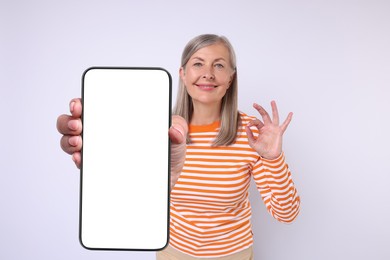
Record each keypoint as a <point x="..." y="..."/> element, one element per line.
<point x="277" y="189"/>
<point x="210" y="208"/>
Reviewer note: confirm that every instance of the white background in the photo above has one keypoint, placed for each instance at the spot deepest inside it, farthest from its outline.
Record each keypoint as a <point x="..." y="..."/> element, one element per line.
<point x="327" y="61"/>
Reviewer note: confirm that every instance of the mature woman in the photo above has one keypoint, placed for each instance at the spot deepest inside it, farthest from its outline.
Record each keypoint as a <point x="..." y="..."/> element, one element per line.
<point x="216" y="151"/>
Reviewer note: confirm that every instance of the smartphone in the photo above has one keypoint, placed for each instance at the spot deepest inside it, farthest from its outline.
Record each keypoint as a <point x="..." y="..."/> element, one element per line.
<point x="125" y="171"/>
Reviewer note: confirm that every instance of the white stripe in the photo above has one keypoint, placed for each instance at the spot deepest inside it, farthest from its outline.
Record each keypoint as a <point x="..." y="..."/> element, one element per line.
<point x="218" y="157"/>
<point x="216" y="221"/>
<point x="216" y="151"/>
<point x="231" y="170"/>
<point x="209" y="182"/>
<point x="237" y="163"/>
<point x="224" y="177"/>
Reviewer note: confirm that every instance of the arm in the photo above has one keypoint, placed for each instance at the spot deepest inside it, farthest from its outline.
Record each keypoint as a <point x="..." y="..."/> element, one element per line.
<point x="271" y="173"/>
<point x="274" y="182"/>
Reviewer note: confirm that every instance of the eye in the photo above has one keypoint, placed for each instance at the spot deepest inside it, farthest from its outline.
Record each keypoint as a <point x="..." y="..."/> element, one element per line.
<point x="219" y="66"/>
<point x="197" y="64"/>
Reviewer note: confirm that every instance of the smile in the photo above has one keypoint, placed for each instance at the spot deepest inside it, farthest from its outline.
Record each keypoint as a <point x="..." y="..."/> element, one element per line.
<point x="206" y="87"/>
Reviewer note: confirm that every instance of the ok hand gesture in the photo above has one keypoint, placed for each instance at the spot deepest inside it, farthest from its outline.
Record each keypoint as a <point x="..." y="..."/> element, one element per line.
<point x="268" y="143"/>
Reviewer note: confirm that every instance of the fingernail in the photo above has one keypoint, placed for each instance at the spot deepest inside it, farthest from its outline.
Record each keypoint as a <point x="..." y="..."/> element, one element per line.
<point x="71" y="106"/>
<point x="73" y="125"/>
<point x="73" y="158"/>
<point x="74" y="140"/>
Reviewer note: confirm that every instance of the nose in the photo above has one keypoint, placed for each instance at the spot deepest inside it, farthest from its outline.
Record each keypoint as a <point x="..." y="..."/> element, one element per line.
<point x="208" y="73"/>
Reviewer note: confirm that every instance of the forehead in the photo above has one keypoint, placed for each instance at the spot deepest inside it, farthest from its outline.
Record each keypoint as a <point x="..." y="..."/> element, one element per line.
<point x="212" y="52"/>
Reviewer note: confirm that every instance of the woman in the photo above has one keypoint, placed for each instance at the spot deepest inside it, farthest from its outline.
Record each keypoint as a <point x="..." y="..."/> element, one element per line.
<point x="225" y="148"/>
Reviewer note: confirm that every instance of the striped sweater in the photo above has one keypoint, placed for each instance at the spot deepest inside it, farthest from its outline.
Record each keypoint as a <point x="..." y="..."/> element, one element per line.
<point x="210" y="209"/>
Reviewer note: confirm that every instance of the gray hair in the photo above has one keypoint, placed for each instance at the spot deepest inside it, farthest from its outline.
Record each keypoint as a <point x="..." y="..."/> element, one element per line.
<point x="230" y="119"/>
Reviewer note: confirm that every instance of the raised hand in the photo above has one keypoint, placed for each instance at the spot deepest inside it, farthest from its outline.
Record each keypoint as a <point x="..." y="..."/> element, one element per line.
<point x="268" y="144"/>
<point x="70" y="126"/>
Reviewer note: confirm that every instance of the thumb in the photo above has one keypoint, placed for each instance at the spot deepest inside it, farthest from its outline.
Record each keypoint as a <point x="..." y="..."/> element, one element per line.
<point x="178" y="130"/>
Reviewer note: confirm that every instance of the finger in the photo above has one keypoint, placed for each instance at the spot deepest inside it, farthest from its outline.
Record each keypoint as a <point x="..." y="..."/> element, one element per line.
<point x="257" y="123"/>
<point x="176" y="136"/>
<point x="76" y="157"/>
<point x="275" y="113"/>
<point x="69" y="125"/>
<point x="264" y="114"/>
<point x="250" y="135"/>
<point x="180" y="122"/>
<point x="286" y="122"/>
<point x="71" y="144"/>
<point x="75" y="107"/>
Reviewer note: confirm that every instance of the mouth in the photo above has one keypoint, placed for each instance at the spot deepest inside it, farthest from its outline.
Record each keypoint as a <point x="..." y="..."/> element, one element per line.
<point x="206" y="86"/>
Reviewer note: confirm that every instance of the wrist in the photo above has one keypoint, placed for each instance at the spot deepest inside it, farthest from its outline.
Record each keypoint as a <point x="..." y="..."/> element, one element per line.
<point x="272" y="158"/>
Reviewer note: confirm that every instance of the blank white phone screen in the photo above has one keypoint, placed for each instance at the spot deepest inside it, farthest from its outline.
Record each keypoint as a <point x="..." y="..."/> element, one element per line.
<point x="124" y="202"/>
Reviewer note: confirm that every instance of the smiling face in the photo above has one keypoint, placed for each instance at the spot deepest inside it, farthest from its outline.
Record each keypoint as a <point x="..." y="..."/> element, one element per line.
<point x="208" y="74"/>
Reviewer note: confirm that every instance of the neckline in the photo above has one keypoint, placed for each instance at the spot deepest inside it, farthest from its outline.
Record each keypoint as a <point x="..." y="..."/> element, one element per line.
<point x="204" y="128"/>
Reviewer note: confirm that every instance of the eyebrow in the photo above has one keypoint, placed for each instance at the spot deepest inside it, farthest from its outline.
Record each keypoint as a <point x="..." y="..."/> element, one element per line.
<point x="199" y="58"/>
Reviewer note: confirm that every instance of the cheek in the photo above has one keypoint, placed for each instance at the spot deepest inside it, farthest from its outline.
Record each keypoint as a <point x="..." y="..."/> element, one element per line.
<point x="187" y="78"/>
<point x="225" y="78"/>
<point x="227" y="83"/>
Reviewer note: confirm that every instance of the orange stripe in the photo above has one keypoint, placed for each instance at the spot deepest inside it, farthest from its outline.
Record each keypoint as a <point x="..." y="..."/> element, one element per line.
<point x="211" y="173"/>
<point x="231" y="160"/>
<point x="195" y="141"/>
<point x="208" y="166"/>
<point x="223" y="154"/>
<point x="200" y="178"/>
<point x="202" y="191"/>
<point x="214" y="185"/>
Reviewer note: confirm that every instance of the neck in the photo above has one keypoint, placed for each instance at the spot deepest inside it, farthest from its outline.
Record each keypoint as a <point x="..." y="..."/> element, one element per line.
<point x="205" y="114"/>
